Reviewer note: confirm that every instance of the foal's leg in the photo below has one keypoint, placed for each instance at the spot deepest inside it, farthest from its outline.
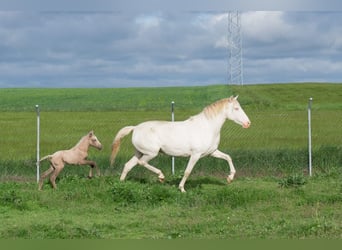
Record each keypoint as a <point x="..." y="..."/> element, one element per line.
<point x="58" y="169"/>
<point x="192" y="161"/>
<point x="221" y="155"/>
<point x="96" y="168"/>
<point x="92" y="165"/>
<point x="43" y="176"/>
<point x="144" y="162"/>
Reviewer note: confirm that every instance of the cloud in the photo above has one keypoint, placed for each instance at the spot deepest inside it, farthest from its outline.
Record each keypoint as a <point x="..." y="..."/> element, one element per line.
<point x="265" y="27"/>
<point x="159" y="48"/>
<point x="292" y="46"/>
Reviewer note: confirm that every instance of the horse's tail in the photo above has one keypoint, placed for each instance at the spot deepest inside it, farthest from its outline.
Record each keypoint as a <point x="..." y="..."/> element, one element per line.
<point x="45" y="157"/>
<point x="117" y="141"/>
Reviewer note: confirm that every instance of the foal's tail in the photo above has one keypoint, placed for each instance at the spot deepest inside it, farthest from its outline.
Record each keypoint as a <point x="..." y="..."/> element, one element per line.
<point x="45" y="157"/>
<point x="117" y="141"/>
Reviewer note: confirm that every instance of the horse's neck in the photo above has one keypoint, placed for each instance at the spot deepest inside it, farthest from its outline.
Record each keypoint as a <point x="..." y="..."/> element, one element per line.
<point x="214" y="115"/>
<point x="215" y="122"/>
<point x="82" y="145"/>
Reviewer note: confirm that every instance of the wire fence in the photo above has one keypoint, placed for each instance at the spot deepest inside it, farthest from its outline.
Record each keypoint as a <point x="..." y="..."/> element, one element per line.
<point x="274" y="138"/>
<point x="278" y="139"/>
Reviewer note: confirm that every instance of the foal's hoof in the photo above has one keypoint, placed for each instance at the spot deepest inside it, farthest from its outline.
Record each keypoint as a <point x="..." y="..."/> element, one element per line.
<point x="161" y="180"/>
<point x="90" y="177"/>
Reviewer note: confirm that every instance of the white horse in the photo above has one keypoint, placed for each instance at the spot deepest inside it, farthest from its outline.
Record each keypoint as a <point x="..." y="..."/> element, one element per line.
<point x="196" y="137"/>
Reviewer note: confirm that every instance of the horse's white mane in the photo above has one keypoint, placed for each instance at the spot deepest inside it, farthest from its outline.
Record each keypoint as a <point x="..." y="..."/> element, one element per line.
<point x="215" y="108"/>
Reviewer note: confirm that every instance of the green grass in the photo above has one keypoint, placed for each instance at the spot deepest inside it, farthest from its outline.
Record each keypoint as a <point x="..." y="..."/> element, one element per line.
<point x="253" y="97"/>
<point x="272" y="197"/>
<point x="110" y="99"/>
<point x="104" y="208"/>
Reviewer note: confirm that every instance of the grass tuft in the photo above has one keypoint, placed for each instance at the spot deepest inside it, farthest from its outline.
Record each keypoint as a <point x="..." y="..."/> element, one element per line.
<point x="293" y="181"/>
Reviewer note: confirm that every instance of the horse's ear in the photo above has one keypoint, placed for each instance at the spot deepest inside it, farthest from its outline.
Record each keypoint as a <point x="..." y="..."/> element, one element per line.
<point x="91" y="133"/>
<point x="236" y="97"/>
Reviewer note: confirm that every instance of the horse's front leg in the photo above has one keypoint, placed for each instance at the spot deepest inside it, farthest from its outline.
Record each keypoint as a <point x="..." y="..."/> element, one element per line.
<point x="218" y="154"/>
<point x="192" y="161"/>
<point x="92" y="165"/>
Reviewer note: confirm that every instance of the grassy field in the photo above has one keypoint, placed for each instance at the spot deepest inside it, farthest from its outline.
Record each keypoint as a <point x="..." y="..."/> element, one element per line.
<point x="191" y="99"/>
<point x="272" y="196"/>
<point x="103" y="208"/>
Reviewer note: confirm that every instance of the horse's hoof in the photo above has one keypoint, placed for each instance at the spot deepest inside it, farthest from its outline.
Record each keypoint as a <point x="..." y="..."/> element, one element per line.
<point x="229" y="180"/>
<point x="161" y="180"/>
<point x="90" y="177"/>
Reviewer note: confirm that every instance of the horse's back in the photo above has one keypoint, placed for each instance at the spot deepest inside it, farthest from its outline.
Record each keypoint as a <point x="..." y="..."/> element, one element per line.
<point x="173" y="138"/>
<point x="151" y="135"/>
<point x="160" y="129"/>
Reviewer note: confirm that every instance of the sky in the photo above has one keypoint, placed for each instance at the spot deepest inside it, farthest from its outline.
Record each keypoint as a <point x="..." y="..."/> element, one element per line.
<point x="133" y="46"/>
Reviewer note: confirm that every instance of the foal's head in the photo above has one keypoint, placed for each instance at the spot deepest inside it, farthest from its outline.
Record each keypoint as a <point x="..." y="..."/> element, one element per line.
<point x="93" y="141"/>
<point x="236" y="113"/>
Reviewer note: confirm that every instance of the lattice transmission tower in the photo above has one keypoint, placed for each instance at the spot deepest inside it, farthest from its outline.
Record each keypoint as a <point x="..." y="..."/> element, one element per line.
<point x="235" y="66"/>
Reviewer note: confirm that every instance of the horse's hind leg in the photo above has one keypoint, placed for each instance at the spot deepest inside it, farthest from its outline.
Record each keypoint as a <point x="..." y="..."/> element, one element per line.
<point x="128" y="166"/>
<point x="43" y="176"/>
<point x="144" y="162"/>
<point x="54" y="176"/>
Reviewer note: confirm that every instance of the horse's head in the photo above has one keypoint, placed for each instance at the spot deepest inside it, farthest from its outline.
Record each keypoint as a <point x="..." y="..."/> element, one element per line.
<point x="93" y="141"/>
<point x="236" y="113"/>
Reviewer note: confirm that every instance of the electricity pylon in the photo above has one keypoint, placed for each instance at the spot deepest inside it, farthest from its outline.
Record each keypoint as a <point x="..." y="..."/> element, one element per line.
<point x="235" y="71"/>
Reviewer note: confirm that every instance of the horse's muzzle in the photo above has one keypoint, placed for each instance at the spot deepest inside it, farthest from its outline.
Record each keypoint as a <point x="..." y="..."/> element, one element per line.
<point x="246" y="124"/>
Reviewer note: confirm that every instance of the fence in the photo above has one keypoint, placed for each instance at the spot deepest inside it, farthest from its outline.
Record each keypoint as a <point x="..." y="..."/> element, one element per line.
<point x="276" y="140"/>
<point x="173" y="158"/>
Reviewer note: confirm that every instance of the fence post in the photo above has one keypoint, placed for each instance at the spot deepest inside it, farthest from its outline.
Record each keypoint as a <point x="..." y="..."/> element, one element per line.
<point x="38" y="139"/>
<point x="172" y="119"/>
<point x="309" y="136"/>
